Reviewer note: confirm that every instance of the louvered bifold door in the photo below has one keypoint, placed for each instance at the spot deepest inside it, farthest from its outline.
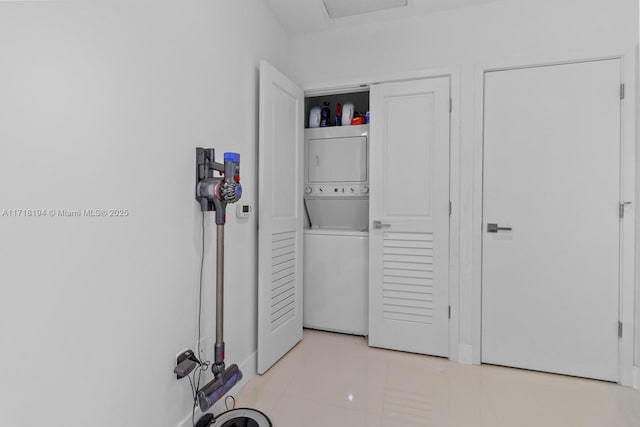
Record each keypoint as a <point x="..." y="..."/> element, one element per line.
<point x="409" y="212"/>
<point x="279" y="217"/>
<point x="283" y="278"/>
<point x="407" y="293"/>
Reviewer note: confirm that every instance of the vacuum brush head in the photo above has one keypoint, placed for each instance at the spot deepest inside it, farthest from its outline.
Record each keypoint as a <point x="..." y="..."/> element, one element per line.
<point x="216" y="388"/>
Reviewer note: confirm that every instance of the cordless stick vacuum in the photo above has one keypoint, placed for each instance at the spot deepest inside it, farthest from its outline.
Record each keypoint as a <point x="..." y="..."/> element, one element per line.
<point x="213" y="193"/>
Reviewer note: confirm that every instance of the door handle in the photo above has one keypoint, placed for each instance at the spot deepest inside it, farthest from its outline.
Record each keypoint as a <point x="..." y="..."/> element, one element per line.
<point x="493" y="228"/>
<point x="378" y="225"/>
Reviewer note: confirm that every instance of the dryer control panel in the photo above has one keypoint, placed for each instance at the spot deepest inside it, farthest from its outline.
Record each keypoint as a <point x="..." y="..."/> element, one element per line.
<point x="341" y="190"/>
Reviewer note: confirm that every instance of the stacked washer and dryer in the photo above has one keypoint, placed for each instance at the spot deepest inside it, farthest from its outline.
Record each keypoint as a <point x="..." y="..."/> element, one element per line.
<point x="336" y="237"/>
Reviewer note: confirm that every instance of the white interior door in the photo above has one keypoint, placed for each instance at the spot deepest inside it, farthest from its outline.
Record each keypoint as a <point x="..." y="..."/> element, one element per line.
<point x="409" y="215"/>
<point x="552" y="174"/>
<point x="279" y="216"/>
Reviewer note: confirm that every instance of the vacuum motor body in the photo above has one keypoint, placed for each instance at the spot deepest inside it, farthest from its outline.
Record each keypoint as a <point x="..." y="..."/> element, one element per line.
<point x="214" y="192"/>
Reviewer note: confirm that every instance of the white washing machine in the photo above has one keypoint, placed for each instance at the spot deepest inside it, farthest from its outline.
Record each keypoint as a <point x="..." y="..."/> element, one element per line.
<point x="336" y="280"/>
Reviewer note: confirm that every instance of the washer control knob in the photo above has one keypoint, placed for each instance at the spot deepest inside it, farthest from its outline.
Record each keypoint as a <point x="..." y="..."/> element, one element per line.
<point x="365" y="190"/>
<point x="307" y="190"/>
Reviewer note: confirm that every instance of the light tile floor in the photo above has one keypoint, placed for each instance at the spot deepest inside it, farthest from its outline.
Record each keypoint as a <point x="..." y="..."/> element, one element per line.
<point x="337" y="380"/>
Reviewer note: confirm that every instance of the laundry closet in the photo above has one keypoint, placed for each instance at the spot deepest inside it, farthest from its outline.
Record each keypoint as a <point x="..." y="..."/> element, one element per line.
<point x="354" y="219"/>
<point x="336" y="206"/>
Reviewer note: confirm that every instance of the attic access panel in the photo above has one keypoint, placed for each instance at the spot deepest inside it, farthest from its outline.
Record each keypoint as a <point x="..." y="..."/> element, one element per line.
<point x="340" y="8"/>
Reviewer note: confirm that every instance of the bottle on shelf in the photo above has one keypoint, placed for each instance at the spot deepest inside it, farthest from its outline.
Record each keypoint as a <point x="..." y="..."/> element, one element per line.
<point x="324" y="115"/>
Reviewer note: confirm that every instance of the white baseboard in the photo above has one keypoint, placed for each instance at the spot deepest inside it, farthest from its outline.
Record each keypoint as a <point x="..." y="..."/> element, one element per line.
<point x="465" y="354"/>
<point x="248" y="368"/>
<point x="636" y="378"/>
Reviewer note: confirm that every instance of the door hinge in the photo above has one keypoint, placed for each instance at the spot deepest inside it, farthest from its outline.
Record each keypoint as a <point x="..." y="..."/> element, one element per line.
<point x="449" y="208"/>
<point x="621" y="211"/>
<point x="619" y="329"/>
<point x="450" y="104"/>
<point x="622" y="91"/>
<point x="449" y="312"/>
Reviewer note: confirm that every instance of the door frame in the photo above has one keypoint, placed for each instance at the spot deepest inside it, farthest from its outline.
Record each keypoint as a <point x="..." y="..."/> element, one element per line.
<point x="454" y="74"/>
<point x="627" y="190"/>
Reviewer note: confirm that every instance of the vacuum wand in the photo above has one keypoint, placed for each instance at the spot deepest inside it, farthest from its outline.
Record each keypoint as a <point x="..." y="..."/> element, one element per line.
<point x="214" y="193"/>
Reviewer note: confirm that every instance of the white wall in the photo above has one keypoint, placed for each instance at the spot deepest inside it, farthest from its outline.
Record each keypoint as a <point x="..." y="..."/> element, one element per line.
<point x="510" y="31"/>
<point x="499" y="31"/>
<point x="101" y="106"/>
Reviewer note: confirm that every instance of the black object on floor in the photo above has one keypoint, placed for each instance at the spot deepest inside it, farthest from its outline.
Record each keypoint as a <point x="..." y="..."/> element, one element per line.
<point x="205" y="421"/>
<point x="242" y="417"/>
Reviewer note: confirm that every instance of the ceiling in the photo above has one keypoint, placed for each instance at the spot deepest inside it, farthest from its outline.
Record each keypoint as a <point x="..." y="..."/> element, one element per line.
<point x="310" y="16"/>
